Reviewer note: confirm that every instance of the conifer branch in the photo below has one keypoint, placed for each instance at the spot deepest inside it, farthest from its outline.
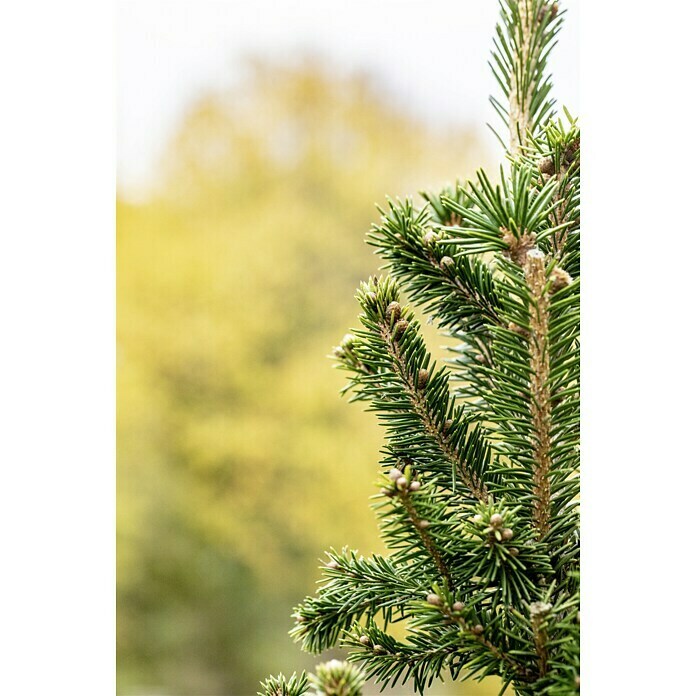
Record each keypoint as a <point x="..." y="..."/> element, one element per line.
<point x="295" y="685"/>
<point x="410" y="505"/>
<point x="540" y="402"/>
<point x="479" y="487"/>
<point x="352" y="587"/>
<point x="556" y="155"/>
<point x="421" y="526"/>
<point x="441" y="606"/>
<point x="563" y="197"/>
<point x="432" y="422"/>
<point x="522" y="46"/>
<point x="333" y="678"/>
<point x="458" y="291"/>
<point x="538" y="612"/>
<point x="412" y="396"/>
<point x="520" y="94"/>
<point x="477" y="633"/>
<point x="420" y="659"/>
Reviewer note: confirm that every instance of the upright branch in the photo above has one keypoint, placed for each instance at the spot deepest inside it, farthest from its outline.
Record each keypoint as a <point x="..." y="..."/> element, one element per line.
<point x="555" y="152"/>
<point x="522" y="46"/>
<point x="521" y="90"/>
<point x="479" y="487"/>
<point x="540" y="401"/>
<point x="538" y="612"/>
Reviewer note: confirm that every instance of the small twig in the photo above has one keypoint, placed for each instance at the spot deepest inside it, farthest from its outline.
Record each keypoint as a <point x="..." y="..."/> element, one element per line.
<point x="426" y="538"/>
<point x="434" y="429"/>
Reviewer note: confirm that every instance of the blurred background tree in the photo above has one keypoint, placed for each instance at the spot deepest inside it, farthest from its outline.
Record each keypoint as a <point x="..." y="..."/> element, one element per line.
<point x="235" y="275"/>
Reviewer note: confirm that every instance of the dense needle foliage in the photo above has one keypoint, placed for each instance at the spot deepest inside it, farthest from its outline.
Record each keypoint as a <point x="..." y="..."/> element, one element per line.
<point x="479" y="490"/>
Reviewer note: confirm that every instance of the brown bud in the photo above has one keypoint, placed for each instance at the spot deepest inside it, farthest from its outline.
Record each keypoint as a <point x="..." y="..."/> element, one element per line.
<point x="571" y="150"/>
<point x="377" y="648"/>
<point x="332" y="564"/>
<point x="446" y="263"/>
<point x="458" y="606"/>
<point x="393" y="311"/>
<point x="477" y="630"/>
<point x="415" y="485"/>
<point x="434" y="600"/>
<point x="389" y="492"/>
<point x="364" y="640"/>
<point x="514" y="551"/>
<point x="546" y="166"/>
<point x="423" y="524"/>
<point x="508" y="534"/>
<point x="395" y="474"/>
<point x="402" y="482"/>
<point x="423" y="376"/>
<point x="559" y="279"/>
<point x="477" y="519"/>
<point x="399" y="328"/>
<point x="429" y="238"/>
<point x="496" y="519"/>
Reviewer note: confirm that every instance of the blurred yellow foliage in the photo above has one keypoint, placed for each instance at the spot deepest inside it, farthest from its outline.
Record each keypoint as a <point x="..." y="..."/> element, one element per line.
<point x="237" y="461"/>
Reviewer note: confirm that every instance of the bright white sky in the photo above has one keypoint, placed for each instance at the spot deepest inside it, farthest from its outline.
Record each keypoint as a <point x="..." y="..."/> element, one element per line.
<point x="431" y="53"/>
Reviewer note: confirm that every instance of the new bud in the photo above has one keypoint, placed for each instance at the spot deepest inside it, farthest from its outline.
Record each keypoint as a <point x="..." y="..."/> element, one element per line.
<point x="496" y="519"/>
<point x="399" y="328"/>
<point x="393" y="311"/>
<point x="446" y="263"/>
<point x="546" y="166"/>
<point x="559" y="279"/>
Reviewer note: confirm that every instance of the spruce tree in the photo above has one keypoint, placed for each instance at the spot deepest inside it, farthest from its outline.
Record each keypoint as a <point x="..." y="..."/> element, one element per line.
<point x="478" y="499"/>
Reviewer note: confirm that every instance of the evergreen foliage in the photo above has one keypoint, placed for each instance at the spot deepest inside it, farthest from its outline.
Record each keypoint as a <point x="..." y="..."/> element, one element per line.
<point x="478" y="498"/>
<point x="333" y="678"/>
